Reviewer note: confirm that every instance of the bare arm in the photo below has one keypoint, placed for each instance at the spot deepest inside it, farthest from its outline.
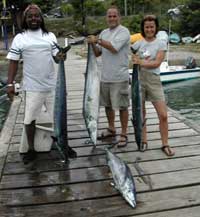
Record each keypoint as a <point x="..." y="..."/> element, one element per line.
<point x="93" y="40"/>
<point x="107" y="45"/>
<point x="96" y="50"/>
<point x="150" y="64"/>
<point x="12" y="71"/>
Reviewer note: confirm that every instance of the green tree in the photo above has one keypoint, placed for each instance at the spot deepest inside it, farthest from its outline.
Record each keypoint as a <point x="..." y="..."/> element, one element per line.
<point x="67" y="9"/>
<point x="190" y="19"/>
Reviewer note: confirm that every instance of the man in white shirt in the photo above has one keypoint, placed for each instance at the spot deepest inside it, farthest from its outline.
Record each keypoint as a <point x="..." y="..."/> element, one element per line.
<point x="37" y="47"/>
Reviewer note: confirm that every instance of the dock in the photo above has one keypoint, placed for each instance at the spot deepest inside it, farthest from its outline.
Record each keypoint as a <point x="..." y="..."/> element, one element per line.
<point x="49" y="188"/>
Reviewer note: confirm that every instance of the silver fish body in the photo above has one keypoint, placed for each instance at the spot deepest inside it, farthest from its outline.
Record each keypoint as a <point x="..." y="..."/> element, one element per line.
<point x="60" y="112"/>
<point x="137" y="116"/>
<point x="122" y="177"/>
<point x="60" y="115"/>
<point x="91" y="95"/>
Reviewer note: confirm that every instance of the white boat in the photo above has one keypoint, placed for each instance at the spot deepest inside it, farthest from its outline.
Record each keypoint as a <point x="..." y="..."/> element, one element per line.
<point x="176" y="73"/>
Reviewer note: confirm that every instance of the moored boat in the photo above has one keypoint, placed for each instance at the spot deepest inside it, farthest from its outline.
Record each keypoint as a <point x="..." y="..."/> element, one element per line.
<point x="176" y="73"/>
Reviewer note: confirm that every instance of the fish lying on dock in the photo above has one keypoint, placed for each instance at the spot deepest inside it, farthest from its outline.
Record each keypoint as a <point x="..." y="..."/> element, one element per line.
<point x="91" y="95"/>
<point x="60" y="113"/>
<point x="122" y="177"/>
<point x="137" y="116"/>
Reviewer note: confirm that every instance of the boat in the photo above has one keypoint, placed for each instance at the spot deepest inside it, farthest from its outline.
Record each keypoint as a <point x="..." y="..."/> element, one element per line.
<point x="174" y="38"/>
<point x="176" y="73"/>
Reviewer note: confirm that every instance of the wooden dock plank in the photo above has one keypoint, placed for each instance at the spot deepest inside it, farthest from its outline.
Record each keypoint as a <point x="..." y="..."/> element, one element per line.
<point x="148" y="202"/>
<point x="46" y="163"/>
<point x="67" y="192"/>
<point x="48" y="188"/>
<point x="64" y="176"/>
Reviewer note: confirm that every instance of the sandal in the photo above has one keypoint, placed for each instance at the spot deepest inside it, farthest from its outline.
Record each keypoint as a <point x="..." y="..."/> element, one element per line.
<point x="123" y="141"/>
<point x="106" y="134"/>
<point x="144" y="146"/>
<point x="31" y="155"/>
<point x="167" y="150"/>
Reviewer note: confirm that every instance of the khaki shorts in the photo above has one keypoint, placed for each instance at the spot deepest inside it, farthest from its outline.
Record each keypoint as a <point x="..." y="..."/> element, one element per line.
<point x="35" y="102"/>
<point x="152" y="89"/>
<point x="114" y="95"/>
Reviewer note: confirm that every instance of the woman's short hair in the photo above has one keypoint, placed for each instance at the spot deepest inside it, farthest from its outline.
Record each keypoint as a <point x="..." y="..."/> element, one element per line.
<point x="149" y="18"/>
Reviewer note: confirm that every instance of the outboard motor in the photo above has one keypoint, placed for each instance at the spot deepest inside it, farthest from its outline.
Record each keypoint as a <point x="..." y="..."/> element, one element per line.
<point x="190" y="63"/>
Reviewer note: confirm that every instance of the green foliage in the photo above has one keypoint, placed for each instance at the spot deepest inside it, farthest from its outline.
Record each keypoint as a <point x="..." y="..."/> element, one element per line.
<point x="67" y="9"/>
<point x="132" y="23"/>
<point x="94" y="8"/>
<point x="45" y="5"/>
<point x="190" y="19"/>
<point x="60" y="27"/>
<point x="89" y="14"/>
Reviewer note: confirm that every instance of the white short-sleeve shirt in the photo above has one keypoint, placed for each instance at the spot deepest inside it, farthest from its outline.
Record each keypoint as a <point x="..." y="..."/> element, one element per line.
<point x="149" y="50"/>
<point x="36" y="49"/>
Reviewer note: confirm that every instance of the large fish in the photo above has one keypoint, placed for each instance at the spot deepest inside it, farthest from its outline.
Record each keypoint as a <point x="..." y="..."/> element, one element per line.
<point x="91" y="95"/>
<point x="122" y="177"/>
<point x="60" y="113"/>
<point x="137" y="116"/>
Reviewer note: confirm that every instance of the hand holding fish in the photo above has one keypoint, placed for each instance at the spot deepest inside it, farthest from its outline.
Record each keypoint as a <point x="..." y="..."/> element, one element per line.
<point x="136" y="59"/>
<point x="92" y="39"/>
<point x="61" y="56"/>
<point x="10" y="92"/>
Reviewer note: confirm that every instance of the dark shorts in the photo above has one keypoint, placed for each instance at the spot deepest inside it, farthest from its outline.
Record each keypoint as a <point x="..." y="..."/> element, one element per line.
<point x="114" y="95"/>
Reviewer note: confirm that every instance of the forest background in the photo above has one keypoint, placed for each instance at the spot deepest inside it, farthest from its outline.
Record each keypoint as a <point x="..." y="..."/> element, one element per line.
<point x="89" y="15"/>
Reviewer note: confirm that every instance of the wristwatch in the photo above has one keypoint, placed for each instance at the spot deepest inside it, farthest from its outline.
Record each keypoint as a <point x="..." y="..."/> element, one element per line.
<point x="10" y="85"/>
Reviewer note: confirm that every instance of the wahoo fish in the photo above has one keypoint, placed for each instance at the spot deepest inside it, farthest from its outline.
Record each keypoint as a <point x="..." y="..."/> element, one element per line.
<point x="122" y="177"/>
<point x="137" y="116"/>
<point x="60" y="113"/>
<point x="91" y="95"/>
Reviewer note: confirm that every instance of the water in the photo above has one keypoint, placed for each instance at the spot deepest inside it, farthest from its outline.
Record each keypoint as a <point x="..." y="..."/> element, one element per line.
<point x="184" y="97"/>
<point x="4" y="102"/>
<point x="4" y="108"/>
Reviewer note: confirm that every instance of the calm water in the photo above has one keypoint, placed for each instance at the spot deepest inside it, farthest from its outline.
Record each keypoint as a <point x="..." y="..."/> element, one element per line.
<point x="4" y="108"/>
<point x="184" y="97"/>
<point x="4" y="104"/>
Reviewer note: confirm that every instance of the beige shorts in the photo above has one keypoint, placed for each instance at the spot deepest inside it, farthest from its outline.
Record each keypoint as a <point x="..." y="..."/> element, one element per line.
<point x="35" y="103"/>
<point x="152" y="89"/>
<point x="114" y="95"/>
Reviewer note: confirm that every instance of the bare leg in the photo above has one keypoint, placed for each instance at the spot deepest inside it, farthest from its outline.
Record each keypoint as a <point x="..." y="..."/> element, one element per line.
<point x="30" y="132"/>
<point x="123" y="140"/>
<point x="124" y="121"/>
<point x="110" y="113"/>
<point x="161" y="109"/>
